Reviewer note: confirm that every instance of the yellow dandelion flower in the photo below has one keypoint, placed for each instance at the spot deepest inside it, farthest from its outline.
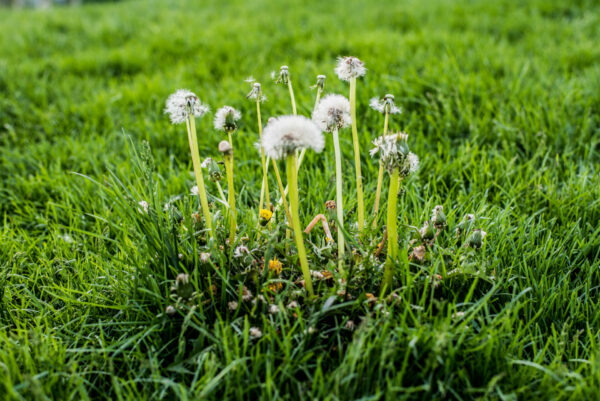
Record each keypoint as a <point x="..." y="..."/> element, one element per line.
<point x="275" y="265"/>
<point x="265" y="216"/>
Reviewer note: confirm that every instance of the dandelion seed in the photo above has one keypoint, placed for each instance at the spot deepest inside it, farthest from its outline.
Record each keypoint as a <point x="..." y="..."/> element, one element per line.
<point x="273" y="309"/>
<point x="385" y="105"/>
<point x="240" y="251"/>
<point x="194" y="190"/>
<point x="170" y="310"/>
<point x="284" y="135"/>
<point x="204" y="257"/>
<point x="184" y="104"/>
<point x="332" y="112"/>
<point x="226" y="119"/>
<point x="292" y="305"/>
<point x="349" y="67"/>
<point x="143" y="207"/>
<point x="233" y="305"/>
<point x="255" y="332"/>
<point x="246" y="294"/>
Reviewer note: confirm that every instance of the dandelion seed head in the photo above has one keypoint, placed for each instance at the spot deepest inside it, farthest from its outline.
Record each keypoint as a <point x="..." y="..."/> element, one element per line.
<point x="194" y="190"/>
<point x="385" y="104"/>
<point x="283" y="76"/>
<point x="233" y="305"/>
<point x="256" y="93"/>
<point x="394" y="153"/>
<point x="184" y="104"/>
<point x="332" y="113"/>
<point x="286" y="134"/>
<point x="255" y="332"/>
<point x="226" y="119"/>
<point x="349" y="67"/>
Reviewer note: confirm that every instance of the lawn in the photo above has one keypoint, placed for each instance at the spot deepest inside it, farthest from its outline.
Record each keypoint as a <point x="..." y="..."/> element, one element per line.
<point x="501" y="101"/>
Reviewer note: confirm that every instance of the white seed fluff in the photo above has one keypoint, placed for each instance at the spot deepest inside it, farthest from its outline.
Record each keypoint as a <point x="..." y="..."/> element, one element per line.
<point x="226" y="117"/>
<point x="332" y="112"/>
<point x="380" y="105"/>
<point x="286" y="134"/>
<point x="349" y="67"/>
<point x="184" y="104"/>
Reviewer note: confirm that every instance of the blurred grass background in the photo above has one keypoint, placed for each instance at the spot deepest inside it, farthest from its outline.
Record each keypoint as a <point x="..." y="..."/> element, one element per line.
<point x="501" y="100"/>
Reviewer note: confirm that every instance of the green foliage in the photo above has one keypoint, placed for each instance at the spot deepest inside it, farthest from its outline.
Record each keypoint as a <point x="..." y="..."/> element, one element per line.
<point x="501" y="102"/>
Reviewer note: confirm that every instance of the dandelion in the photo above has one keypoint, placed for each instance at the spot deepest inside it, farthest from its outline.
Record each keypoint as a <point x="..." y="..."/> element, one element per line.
<point x="283" y="136"/>
<point x="273" y="309"/>
<point x="257" y="95"/>
<point x="348" y="69"/>
<point x="255" y="332"/>
<point x="143" y="207"/>
<point x="396" y="158"/>
<point x="292" y="305"/>
<point x="233" y="305"/>
<point x="226" y="119"/>
<point x="170" y="310"/>
<point x="275" y="266"/>
<point x="385" y="106"/>
<point x="284" y="78"/>
<point x="264" y="216"/>
<point x="331" y="114"/>
<point x="184" y="106"/>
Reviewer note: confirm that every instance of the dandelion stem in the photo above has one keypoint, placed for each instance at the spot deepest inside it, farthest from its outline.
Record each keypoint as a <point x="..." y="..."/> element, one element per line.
<point x="282" y="190"/>
<point x="359" y="188"/>
<point x="292" y="98"/>
<point x="265" y="183"/>
<point x="193" y="140"/>
<point x="292" y="176"/>
<point x="380" y="174"/>
<point x="222" y="194"/>
<point x="230" y="195"/>
<point x="392" y="230"/>
<point x="339" y="198"/>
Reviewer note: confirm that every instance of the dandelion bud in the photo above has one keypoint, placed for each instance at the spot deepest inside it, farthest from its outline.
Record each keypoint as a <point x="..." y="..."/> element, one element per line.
<point x="226" y="119"/>
<point x="214" y="172"/>
<point x="225" y="147"/>
<point x="475" y="240"/>
<point x="265" y="216"/>
<point x="438" y="218"/>
<point x="183" y="287"/>
<point x="427" y="232"/>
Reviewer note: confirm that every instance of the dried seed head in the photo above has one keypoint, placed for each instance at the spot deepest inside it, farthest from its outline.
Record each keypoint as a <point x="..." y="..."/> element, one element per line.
<point x="226" y="119"/>
<point x="394" y="153"/>
<point x="225" y="147"/>
<point x="184" y="104"/>
<point x="284" y="75"/>
<point x="284" y="135"/>
<point x="349" y="67"/>
<point x="320" y="82"/>
<point x="256" y="93"/>
<point x="332" y="113"/>
<point x="170" y="310"/>
<point x="255" y="332"/>
<point x="385" y="105"/>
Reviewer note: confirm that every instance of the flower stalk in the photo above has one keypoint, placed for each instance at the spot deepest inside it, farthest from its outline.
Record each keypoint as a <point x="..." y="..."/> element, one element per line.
<point x="380" y="173"/>
<point x="339" y="198"/>
<point x="292" y="177"/>
<point x="359" y="188"/>
<point x="392" y="230"/>
<point x="227" y="150"/>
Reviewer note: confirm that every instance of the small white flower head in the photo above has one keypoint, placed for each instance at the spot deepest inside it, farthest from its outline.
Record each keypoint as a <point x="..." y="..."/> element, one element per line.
<point x="273" y="309"/>
<point x="233" y="305"/>
<point x="283" y="77"/>
<point x="349" y="67"/>
<point x="194" y="190"/>
<point x="246" y="294"/>
<point x="206" y="162"/>
<point x="385" y="105"/>
<point x="255" y="332"/>
<point x="394" y="153"/>
<point x="256" y="93"/>
<point x="332" y="113"/>
<point x="292" y="305"/>
<point x="184" y="104"/>
<point x="170" y="310"/>
<point x="241" y="251"/>
<point x="320" y="82"/>
<point x="143" y="207"/>
<point x="286" y="134"/>
<point x="204" y="257"/>
<point x="226" y="119"/>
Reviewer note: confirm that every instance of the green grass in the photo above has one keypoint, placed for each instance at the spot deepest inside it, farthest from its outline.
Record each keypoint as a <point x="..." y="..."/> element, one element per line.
<point x="502" y="104"/>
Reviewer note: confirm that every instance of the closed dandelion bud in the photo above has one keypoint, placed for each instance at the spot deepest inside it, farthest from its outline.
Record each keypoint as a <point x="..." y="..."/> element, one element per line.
<point x="225" y="147"/>
<point x="427" y="231"/>
<point x="330" y="208"/>
<point x="465" y="224"/>
<point x="265" y="216"/>
<point x="183" y="287"/>
<point x="214" y="172"/>
<point x="320" y="82"/>
<point x="475" y="240"/>
<point x="284" y="75"/>
<point x="438" y="218"/>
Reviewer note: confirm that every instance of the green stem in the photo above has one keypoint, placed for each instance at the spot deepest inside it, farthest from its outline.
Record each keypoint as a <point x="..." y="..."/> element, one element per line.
<point x="292" y="176"/>
<point x="221" y="194"/>
<point x="293" y="99"/>
<point x="380" y="174"/>
<point x="339" y="199"/>
<point x="230" y="198"/>
<point x="392" y="230"/>
<point x="265" y="183"/>
<point x="193" y="140"/>
<point x="282" y="190"/>
<point x="359" y="188"/>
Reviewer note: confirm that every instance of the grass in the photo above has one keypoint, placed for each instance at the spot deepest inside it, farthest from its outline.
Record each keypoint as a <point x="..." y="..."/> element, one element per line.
<point x="501" y="100"/>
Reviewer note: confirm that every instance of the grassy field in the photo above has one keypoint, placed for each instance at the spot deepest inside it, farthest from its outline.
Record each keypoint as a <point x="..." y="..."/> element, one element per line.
<point x="501" y="100"/>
